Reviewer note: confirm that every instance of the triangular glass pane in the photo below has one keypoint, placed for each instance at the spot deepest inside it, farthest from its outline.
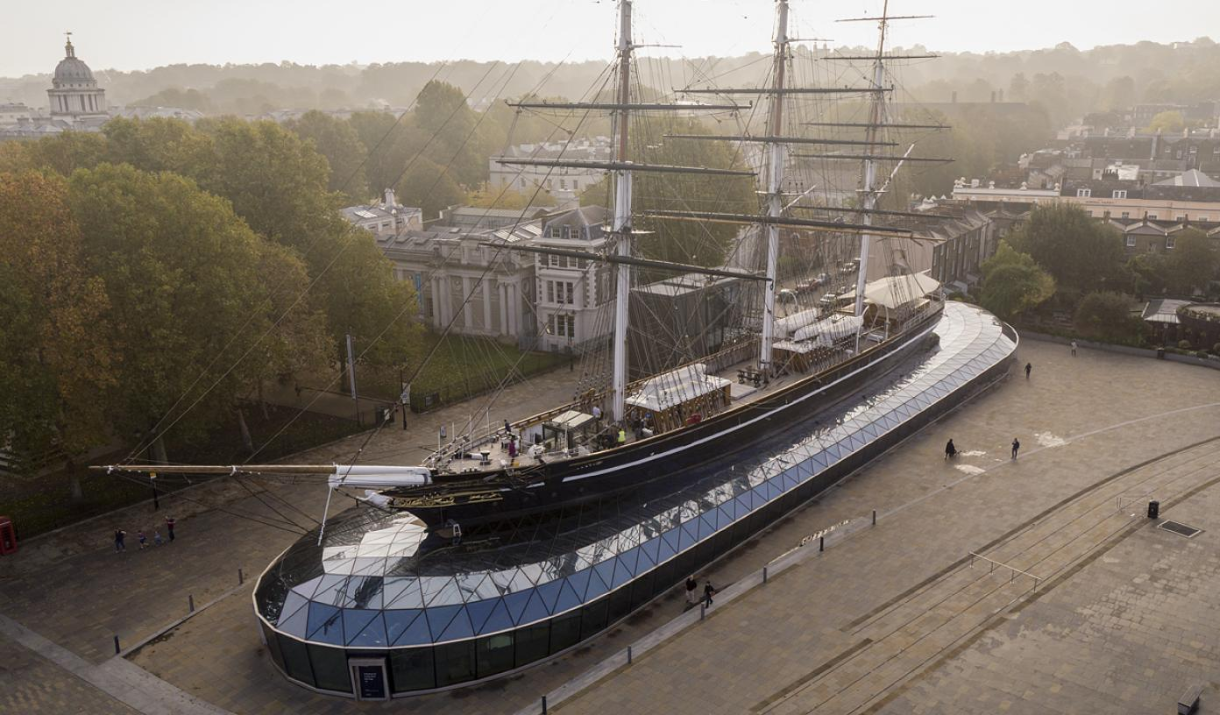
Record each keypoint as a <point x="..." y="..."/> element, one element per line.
<point x="628" y="560"/>
<point x="373" y="635"/>
<point x="479" y="611"/>
<point x="597" y="587"/>
<point x="297" y="623"/>
<point x="402" y="593"/>
<point x="621" y="576"/>
<point x="567" y="599"/>
<point x="354" y="621"/>
<point x="650" y="548"/>
<point x="515" y="603"/>
<point x="549" y="593"/>
<point x="605" y="571"/>
<point x="459" y="627"/>
<point x="534" y="611"/>
<point x="499" y="619"/>
<point x="397" y="623"/>
<point x="644" y="563"/>
<point x="579" y="582"/>
<point x="671" y="543"/>
<point x="325" y="624"/>
<point x="440" y="617"/>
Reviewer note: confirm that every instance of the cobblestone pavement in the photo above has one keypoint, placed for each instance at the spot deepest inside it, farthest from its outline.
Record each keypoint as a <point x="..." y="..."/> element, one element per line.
<point x="1081" y="420"/>
<point x="32" y="684"/>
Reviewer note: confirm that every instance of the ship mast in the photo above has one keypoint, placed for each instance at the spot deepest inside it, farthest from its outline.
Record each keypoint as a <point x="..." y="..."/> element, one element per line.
<point x="869" y="191"/>
<point x="622" y="216"/>
<point x="775" y="181"/>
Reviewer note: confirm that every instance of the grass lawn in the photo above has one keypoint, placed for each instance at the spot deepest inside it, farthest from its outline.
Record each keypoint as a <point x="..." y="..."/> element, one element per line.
<point x="460" y="367"/>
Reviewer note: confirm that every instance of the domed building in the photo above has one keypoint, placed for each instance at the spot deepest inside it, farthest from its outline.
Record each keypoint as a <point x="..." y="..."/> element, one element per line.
<point x="74" y="91"/>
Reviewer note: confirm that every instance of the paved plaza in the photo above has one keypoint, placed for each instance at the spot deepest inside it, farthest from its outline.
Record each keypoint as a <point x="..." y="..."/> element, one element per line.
<point x="1104" y="611"/>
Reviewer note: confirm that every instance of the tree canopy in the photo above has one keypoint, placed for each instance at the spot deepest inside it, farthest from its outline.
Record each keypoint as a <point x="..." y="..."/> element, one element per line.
<point x="1013" y="283"/>
<point x="1081" y="254"/>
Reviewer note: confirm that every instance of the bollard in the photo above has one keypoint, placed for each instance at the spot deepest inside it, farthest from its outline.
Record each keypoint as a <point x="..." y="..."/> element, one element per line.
<point x="117" y="650"/>
<point x="240" y="578"/>
<point x="190" y="599"/>
<point x="543" y="705"/>
<point x="628" y="655"/>
<point x="702" y="611"/>
<point x="821" y="543"/>
<point x="764" y="574"/>
<point x="874" y="517"/>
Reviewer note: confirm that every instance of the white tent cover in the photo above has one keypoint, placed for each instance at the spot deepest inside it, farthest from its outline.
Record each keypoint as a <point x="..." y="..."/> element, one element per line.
<point x="890" y="292"/>
<point x="675" y="387"/>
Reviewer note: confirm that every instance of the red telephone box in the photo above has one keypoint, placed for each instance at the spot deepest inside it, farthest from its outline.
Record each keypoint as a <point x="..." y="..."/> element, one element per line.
<point x="8" y="536"/>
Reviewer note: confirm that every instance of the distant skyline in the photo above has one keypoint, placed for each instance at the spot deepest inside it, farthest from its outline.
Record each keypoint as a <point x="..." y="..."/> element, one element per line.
<point x="143" y="34"/>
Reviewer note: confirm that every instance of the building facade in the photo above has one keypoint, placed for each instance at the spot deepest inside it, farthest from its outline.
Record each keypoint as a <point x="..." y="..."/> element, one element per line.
<point x="74" y="92"/>
<point x="525" y="179"/>
<point x="387" y="218"/>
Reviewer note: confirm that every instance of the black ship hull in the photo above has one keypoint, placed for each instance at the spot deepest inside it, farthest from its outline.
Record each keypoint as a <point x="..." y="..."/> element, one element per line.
<point x="668" y="461"/>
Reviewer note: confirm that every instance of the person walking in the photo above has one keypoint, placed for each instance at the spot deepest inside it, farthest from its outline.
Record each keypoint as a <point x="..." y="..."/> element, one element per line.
<point x="708" y="592"/>
<point x="143" y="539"/>
<point x="169" y="527"/>
<point x="1016" y="447"/>
<point x="1073" y="348"/>
<point x="157" y="537"/>
<point x="622" y="436"/>
<point x="691" y="586"/>
<point x="950" y="450"/>
<point x="1029" y="367"/>
<point x="119" y="537"/>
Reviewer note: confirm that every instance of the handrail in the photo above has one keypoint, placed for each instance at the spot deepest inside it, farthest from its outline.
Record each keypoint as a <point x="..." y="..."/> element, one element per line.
<point x="1013" y="569"/>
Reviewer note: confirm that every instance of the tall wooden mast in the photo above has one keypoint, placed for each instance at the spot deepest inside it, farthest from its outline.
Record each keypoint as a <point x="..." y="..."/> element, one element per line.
<point x="869" y="192"/>
<point x="622" y="214"/>
<point x="775" y="182"/>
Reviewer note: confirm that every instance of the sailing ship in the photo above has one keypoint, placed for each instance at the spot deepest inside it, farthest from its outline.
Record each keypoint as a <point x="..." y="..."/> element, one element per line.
<point x="657" y="434"/>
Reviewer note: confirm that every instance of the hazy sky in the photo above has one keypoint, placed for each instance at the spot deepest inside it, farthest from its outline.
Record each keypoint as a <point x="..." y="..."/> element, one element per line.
<point x="141" y="34"/>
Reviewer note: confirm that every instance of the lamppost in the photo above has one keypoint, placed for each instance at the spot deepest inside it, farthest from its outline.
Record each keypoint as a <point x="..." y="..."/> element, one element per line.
<point x="152" y="479"/>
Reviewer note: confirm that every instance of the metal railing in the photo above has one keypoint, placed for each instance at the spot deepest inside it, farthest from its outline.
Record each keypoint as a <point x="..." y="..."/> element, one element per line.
<point x="1013" y="570"/>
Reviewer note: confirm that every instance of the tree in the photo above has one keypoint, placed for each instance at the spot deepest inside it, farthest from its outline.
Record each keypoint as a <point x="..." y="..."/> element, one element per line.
<point x="1149" y="273"/>
<point x="56" y="356"/>
<point x="1169" y="122"/>
<point x="187" y="299"/>
<point x="63" y="153"/>
<point x="178" y="98"/>
<point x="336" y="140"/>
<point x="158" y="144"/>
<point x="1107" y="316"/>
<point x="1080" y="253"/>
<point x="430" y="187"/>
<point x="1192" y="264"/>
<point x="1013" y="283"/>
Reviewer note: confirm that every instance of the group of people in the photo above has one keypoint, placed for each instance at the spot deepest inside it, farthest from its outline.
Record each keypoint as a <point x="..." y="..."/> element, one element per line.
<point x="951" y="450"/>
<point x="692" y="590"/>
<point x="120" y="536"/>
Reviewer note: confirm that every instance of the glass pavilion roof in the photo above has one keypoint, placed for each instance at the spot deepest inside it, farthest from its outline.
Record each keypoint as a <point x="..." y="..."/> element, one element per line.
<point x="377" y="580"/>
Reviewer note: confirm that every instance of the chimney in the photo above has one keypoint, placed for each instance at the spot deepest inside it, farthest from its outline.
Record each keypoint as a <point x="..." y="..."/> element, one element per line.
<point x="389" y="198"/>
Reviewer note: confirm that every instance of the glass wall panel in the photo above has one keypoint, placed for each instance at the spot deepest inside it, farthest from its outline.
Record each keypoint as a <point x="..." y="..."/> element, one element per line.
<point x="593" y="619"/>
<point x="565" y="631"/>
<point x="296" y="660"/>
<point x="411" y="669"/>
<point x="620" y="604"/>
<point x="273" y="647"/>
<point x="330" y="668"/>
<point x="455" y="663"/>
<point x="495" y="654"/>
<point x="533" y="643"/>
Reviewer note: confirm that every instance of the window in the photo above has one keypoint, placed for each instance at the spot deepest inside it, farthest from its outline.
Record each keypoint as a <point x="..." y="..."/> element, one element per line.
<point x="1150" y="217"/>
<point x="1084" y="193"/>
<point x="1118" y="194"/>
<point x="567" y="231"/>
<point x="1130" y="241"/>
<point x="550" y="291"/>
<point x="571" y="293"/>
<point x="550" y="324"/>
<point x="554" y="261"/>
<point x="1182" y="219"/>
<point x="563" y="183"/>
<point x="1202" y="218"/>
<point x="1169" y="240"/>
<point x="1194" y="150"/>
<point x="1126" y="214"/>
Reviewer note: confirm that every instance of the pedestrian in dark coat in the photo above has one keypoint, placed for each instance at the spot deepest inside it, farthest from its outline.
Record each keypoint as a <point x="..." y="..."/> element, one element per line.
<point x="1029" y="367"/>
<point x="950" y="450"/>
<point x="691" y="586"/>
<point x="143" y="539"/>
<point x="1016" y="447"/>
<point x="169" y="527"/>
<point x="119" y="536"/>
<point x="708" y="592"/>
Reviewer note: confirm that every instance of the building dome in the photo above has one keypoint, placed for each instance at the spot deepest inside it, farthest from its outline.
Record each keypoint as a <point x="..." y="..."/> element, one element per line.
<point x="74" y="92"/>
<point x="71" y="69"/>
